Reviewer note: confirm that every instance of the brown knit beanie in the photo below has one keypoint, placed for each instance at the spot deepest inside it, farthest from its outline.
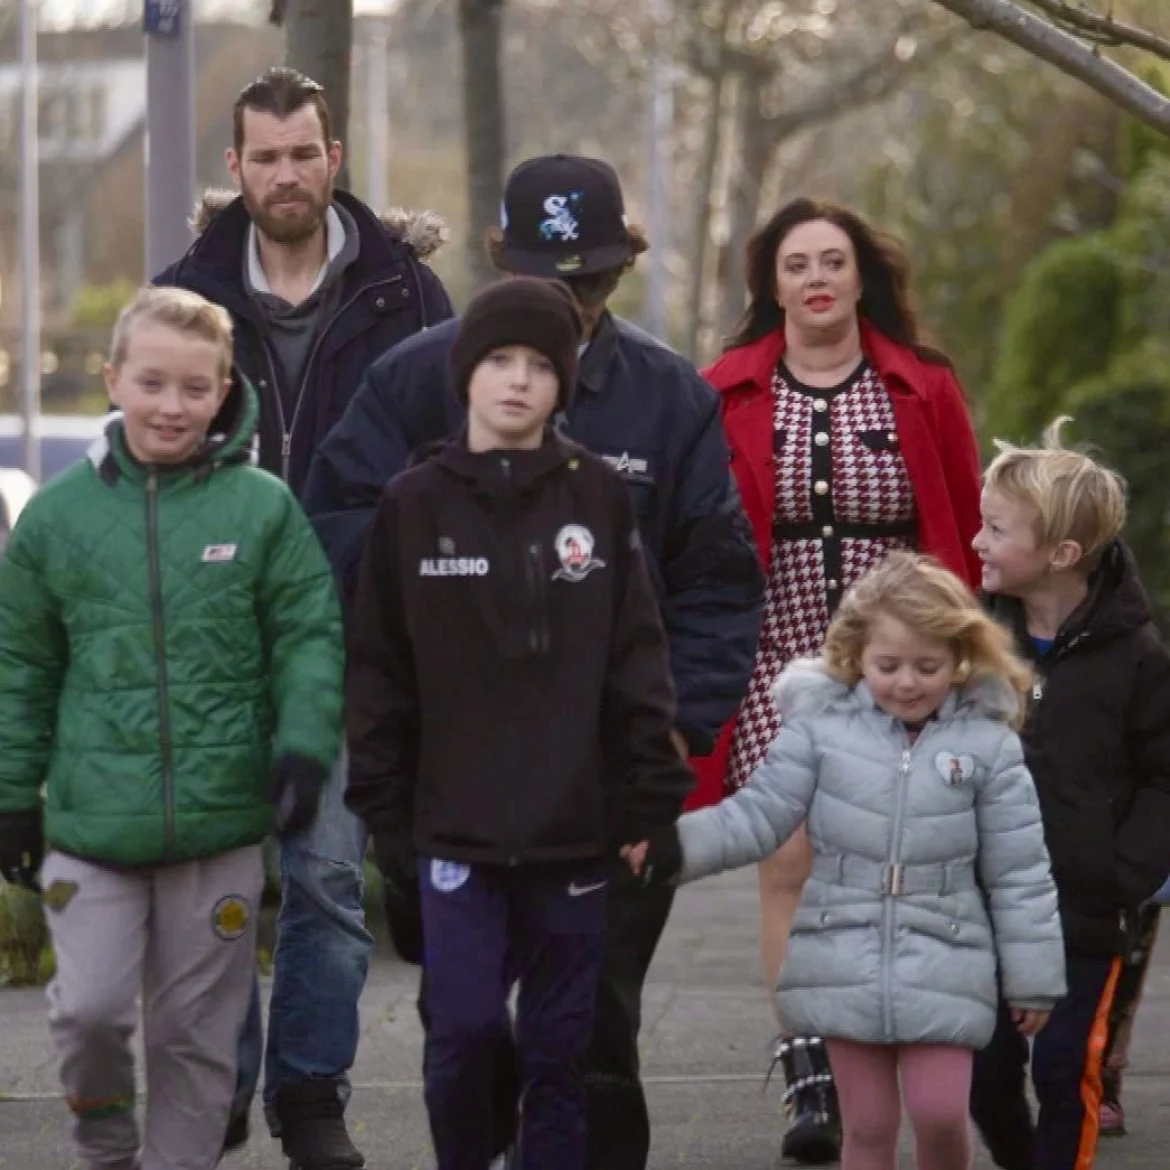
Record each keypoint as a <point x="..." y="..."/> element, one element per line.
<point x="519" y="310"/>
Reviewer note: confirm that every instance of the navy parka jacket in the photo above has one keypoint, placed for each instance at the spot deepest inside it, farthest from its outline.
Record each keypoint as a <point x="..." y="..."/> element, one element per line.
<point x="647" y="412"/>
<point x="386" y="295"/>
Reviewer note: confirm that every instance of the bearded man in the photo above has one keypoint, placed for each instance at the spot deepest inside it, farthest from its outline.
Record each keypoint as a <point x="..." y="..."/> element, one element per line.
<point x="318" y="286"/>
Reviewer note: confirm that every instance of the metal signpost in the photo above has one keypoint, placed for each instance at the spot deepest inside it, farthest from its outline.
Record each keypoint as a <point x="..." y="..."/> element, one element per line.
<point x="169" y="26"/>
<point x="30" y="246"/>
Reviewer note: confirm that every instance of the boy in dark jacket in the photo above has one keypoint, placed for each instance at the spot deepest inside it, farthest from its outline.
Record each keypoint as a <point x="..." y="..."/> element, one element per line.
<point x="1097" y="742"/>
<point x="506" y="659"/>
<point x="170" y="669"/>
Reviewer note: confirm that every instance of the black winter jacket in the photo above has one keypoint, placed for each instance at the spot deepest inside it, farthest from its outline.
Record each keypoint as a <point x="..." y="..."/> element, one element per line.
<point x="648" y="413"/>
<point x="508" y="690"/>
<point x="1097" y="742"/>
<point x="386" y="295"/>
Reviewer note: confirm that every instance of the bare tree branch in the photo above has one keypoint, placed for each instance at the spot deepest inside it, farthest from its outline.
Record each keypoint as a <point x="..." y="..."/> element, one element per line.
<point x="1104" y="29"/>
<point x="1044" y="40"/>
<point x="874" y="79"/>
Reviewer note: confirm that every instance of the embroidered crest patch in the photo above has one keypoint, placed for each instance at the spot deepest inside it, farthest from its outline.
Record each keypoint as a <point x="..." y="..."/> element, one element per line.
<point x="449" y="876"/>
<point x="230" y="917"/>
<point x="574" y="546"/>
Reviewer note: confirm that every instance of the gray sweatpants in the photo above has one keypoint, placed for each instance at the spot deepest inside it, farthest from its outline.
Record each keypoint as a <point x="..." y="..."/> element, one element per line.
<point x="184" y="937"/>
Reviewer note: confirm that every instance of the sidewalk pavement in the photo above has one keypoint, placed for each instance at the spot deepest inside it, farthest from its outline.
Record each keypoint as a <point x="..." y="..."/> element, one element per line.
<point x="706" y="1041"/>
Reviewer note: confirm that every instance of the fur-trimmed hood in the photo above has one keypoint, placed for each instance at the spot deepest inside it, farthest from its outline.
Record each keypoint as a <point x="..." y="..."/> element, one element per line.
<point x="806" y="688"/>
<point x="424" y="232"/>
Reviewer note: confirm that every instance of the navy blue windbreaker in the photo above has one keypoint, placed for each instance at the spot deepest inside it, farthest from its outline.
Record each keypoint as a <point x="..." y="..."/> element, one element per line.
<point x="644" y="409"/>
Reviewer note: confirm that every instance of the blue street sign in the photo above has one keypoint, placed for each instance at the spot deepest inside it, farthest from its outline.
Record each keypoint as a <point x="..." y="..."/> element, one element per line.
<point x="162" y="17"/>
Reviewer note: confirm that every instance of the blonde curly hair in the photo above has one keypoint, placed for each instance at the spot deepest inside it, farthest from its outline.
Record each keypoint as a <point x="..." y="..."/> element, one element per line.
<point x="934" y="603"/>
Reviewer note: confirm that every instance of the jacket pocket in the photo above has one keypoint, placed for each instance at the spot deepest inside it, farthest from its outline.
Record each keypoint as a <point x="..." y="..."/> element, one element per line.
<point x="833" y="946"/>
<point x="945" y="953"/>
<point x="879" y="440"/>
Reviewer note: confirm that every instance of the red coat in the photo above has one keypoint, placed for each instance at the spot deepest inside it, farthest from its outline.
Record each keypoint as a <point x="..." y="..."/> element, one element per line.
<point x="937" y="442"/>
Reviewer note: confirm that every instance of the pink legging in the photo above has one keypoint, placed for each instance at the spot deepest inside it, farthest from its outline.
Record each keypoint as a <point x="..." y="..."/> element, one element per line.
<point x="936" y="1086"/>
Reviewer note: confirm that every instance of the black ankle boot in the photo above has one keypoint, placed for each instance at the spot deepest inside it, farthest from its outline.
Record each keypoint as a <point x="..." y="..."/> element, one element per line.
<point x="814" y="1137"/>
<point x="312" y="1128"/>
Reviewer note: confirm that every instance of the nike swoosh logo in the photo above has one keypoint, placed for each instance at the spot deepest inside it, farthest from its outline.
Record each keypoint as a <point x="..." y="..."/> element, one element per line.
<point x="576" y="891"/>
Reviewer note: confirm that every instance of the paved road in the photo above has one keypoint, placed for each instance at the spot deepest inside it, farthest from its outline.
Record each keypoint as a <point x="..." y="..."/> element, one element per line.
<point x="706" y="1040"/>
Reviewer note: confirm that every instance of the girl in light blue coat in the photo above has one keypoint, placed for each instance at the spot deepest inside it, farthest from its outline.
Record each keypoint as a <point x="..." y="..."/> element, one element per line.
<point x="930" y="866"/>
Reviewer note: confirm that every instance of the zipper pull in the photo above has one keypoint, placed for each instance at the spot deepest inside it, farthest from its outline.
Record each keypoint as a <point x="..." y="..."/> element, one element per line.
<point x="1037" y="689"/>
<point x="286" y="445"/>
<point x="905" y="766"/>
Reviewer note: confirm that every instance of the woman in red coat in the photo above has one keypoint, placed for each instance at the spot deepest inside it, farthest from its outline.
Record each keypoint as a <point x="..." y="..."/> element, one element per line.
<point x="848" y="439"/>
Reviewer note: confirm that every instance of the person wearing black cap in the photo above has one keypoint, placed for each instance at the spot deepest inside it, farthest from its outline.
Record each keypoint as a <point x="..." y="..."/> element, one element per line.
<point x="505" y="645"/>
<point x="648" y="413"/>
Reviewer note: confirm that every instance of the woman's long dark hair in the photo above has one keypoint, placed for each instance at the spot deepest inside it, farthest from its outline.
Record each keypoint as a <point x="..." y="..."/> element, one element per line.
<point x="881" y="262"/>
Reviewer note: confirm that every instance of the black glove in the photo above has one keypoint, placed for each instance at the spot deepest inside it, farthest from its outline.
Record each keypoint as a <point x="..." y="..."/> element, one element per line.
<point x="22" y="848"/>
<point x="664" y="859"/>
<point x="394" y="853"/>
<point x="296" y="793"/>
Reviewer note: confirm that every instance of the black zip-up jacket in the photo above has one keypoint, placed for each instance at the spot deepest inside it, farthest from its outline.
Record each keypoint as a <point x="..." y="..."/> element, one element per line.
<point x="508" y="689"/>
<point x="649" y="414"/>
<point x="1097" y="742"/>
<point x="386" y="295"/>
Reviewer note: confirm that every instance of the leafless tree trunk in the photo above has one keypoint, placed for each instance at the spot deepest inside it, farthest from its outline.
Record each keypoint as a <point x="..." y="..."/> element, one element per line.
<point x="483" y="119"/>
<point x="1071" y="39"/>
<point x="319" y="42"/>
<point x="700" y="236"/>
<point x="755" y="151"/>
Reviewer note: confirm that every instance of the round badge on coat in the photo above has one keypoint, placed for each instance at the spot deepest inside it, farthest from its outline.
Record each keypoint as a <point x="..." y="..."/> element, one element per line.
<point x="574" y="547"/>
<point x="449" y="876"/>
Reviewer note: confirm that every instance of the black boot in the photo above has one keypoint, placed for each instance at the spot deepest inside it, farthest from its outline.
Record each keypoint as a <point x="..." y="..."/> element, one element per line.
<point x="814" y="1137"/>
<point x="312" y="1128"/>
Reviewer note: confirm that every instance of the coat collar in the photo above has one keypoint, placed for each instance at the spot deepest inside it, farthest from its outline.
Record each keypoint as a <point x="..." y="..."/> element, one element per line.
<point x="754" y="364"/>
<point x="806" y="687"/>
<point x="216" y="258"/>
<point x="229" y="441"/>
<point x="594" y="367"/>
<point x="485" y="470"/>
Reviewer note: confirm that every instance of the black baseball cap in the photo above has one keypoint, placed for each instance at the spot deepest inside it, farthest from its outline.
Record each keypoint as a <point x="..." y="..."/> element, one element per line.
<point x="563" y="216"/>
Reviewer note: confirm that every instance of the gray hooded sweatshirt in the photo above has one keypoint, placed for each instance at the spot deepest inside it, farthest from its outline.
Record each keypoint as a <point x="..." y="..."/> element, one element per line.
<point x="293" y="329"/>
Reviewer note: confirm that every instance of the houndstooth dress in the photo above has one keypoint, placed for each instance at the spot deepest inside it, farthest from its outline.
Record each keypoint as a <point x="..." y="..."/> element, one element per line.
<point x="843" y="501"/>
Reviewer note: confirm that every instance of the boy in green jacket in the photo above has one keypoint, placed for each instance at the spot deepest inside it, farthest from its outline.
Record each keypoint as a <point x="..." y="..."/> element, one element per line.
<point x="170" y="672"/>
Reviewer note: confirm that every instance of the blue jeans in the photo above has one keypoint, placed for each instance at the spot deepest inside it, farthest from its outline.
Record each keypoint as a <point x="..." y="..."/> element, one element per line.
<point x="322" y="956"/>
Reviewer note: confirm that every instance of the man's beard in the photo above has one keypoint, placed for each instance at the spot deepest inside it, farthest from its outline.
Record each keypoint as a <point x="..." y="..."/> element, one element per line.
<point x="290" y="229"/>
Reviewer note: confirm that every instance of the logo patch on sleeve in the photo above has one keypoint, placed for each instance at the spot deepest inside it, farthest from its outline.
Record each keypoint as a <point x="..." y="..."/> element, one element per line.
<point x="217" y="553"/>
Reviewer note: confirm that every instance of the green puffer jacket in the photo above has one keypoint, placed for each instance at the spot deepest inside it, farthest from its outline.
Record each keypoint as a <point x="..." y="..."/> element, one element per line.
<point x="164" y="635"/>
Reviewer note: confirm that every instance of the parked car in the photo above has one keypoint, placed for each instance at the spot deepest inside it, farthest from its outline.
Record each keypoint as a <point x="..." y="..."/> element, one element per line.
<point x="16" y="489"/>
<point x="64" y="440"/>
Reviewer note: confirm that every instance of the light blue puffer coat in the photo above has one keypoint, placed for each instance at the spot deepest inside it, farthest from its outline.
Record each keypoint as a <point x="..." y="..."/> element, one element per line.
<point x="893" y="942"/>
